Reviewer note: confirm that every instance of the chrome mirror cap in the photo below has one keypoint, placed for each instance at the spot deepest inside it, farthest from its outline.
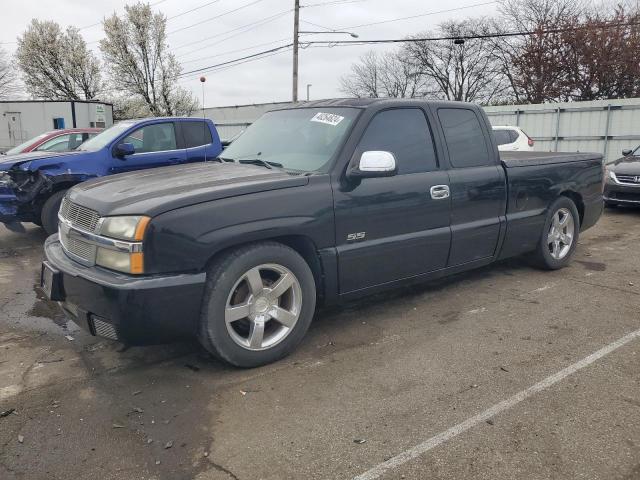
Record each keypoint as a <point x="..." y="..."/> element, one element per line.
<point x="374" y="163"/>
<point x="377" y="161"/>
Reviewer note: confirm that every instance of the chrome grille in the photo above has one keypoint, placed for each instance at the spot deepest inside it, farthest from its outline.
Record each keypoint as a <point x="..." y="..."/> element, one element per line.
<point x="632" y="179"/>
<point x="79" y="216"/>
<point x="76" y="246"/>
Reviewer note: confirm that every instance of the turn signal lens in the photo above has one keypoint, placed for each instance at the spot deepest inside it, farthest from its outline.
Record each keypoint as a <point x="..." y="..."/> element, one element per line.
<point x="121" y="261"/>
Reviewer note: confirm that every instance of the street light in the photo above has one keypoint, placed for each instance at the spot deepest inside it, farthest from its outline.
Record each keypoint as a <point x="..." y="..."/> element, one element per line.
<point x="296" y="38"/>
<point x="296" y="35"/>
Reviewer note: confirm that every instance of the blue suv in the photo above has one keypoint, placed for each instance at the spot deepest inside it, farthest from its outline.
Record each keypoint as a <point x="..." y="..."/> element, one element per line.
<point x="33" y="184"/>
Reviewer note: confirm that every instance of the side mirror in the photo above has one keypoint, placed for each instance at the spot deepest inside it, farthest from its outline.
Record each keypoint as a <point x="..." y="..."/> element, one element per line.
<point x="374" y="163"/>
<point x="124" y="149"/>
<point x="626" y="152"/>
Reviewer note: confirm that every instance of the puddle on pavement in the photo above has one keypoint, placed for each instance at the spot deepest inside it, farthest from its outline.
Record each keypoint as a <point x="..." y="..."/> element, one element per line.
<point x="47" y="309"/>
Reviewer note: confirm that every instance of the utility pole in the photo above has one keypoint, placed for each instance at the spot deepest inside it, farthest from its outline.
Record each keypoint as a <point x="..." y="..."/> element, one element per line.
<point x="296" y="26"/>
<point x="308" y="87"/>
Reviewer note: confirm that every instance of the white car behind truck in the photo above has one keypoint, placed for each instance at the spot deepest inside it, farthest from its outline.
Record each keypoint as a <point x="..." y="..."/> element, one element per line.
<point x="512" y="139"/>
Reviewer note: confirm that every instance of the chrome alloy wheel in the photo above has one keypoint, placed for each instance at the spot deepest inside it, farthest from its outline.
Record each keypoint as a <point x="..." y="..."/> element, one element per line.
<point x="263" y="307"/>
<point x="561" y="233"/>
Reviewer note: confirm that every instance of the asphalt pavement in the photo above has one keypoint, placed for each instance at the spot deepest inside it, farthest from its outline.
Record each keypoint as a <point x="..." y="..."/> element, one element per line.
<point x="505" y="372"/>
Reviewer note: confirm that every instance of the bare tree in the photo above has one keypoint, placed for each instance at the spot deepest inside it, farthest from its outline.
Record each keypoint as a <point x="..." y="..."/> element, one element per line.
<point x="56" y="64"/>
<point x="536" y="66"/>
<point x="603" y="56"/>
<point x="463" y="70"/>
<point x="392" y="74"/>
<point x="363" y="81"/>
<point x="8" y="76"/>
<point x="136" y="51"/>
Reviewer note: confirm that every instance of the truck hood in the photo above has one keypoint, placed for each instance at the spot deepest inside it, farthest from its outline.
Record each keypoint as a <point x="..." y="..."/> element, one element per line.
<point x="158" y="190"/>
<point x="34" y="160"/>
<point x="626" y="166"/>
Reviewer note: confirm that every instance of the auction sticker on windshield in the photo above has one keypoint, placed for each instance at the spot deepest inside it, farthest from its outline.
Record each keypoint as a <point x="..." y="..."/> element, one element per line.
<point x="328" y="118"/>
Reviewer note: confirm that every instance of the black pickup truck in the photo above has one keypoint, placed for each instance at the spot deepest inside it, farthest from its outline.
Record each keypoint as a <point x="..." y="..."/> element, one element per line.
<point x="312" y="204"/>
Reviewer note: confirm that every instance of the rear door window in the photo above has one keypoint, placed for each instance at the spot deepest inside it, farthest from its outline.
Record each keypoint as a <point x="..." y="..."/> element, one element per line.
<point x="157" y="137"/>
<point x="465" y="138"/>
<point x="405" y="133"/>
<point x="503" y="137"/>
<point x="196" y="134"/>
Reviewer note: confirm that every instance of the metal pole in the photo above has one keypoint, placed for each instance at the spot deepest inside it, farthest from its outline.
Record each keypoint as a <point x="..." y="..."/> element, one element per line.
<point x="518" y="118"/>
<point x="606" y="133"/>
<point x="296" y="25"/>
<point x="557" y="127"/>
<point x="308" y="86"/>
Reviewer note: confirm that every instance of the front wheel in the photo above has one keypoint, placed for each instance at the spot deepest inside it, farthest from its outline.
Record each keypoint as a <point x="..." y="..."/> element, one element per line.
<point x="559" y="235"/>
<point x="258" y="304"/>
<point x="49" y="213"/>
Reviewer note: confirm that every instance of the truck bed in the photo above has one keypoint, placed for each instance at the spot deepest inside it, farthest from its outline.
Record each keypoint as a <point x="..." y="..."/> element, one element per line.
<point x="527" y="159"/>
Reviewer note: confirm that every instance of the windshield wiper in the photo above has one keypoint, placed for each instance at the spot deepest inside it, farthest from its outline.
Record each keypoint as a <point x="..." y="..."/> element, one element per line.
<point x="259" y="161"/>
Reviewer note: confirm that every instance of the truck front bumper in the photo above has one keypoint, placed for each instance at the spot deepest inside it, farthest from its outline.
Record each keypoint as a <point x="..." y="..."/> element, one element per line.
<point x="135" y="310"/>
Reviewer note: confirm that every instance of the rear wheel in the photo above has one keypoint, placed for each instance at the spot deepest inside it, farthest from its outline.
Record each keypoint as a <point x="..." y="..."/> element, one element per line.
<point x="559" y="236"/>
<point x="49" y="213"/>
<point x="259" y="302"/>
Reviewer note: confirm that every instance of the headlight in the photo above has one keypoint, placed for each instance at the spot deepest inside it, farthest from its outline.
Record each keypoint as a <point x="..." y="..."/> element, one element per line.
<point x="121" y="261"/>
<point x="5" y="178"/>
<point x="130" y="229"/>
<point x="125" y="228"/>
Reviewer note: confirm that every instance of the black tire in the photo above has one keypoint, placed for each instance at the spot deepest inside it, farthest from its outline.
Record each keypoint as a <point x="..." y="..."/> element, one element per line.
<point x="542" y="257"/>
<point x="222" y="281"/>
<point x="49" y="214"/>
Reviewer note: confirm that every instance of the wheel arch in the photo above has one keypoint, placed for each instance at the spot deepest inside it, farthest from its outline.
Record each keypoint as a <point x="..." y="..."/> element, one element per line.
<point x="301" y="244"/>
<point x="576" y="198"/>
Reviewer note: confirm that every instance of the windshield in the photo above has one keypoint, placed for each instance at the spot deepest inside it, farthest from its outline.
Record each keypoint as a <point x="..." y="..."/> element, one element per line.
<point x="23" y="145"/>
<point x="105" y="137"/>
<point x="302" y="139"/>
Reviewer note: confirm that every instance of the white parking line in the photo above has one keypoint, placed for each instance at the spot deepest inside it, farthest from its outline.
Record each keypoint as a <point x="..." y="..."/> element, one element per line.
<point x="442" y="437"/>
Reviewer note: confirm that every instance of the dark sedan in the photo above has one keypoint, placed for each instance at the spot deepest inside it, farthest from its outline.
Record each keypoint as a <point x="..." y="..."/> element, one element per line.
<point x="622" y="186"/>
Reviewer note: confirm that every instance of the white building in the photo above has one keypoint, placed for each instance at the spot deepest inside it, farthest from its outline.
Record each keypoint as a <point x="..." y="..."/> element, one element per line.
<point x="21" y="120"/>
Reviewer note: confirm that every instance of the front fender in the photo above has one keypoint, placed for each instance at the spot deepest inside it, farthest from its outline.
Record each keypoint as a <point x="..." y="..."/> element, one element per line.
<point x="185" y="239"/>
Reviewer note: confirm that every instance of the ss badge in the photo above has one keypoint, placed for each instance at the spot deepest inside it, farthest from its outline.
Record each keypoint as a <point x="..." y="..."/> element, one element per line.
<point x="354" y="237"/>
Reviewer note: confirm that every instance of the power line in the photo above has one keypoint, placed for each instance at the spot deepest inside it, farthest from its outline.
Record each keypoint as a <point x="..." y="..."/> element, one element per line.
<point x="210" y="67"/>
<point x="411" y="17"/>
<point x="216" y="70"/>
<point x="318" y="25"/>
<point x="234" y="51"/>
<point x="215" y="17"/>
<point x="471" y="37"/>
<point x="256" y="23"/>
<point x="192" y="10"/>
<point x="334" y="2"/>
<point x="100" y="23"/>
<point x="328" y="43"/>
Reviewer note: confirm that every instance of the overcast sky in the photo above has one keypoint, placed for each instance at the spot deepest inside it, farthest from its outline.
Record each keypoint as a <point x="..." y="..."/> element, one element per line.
<point x="263" y="80"/>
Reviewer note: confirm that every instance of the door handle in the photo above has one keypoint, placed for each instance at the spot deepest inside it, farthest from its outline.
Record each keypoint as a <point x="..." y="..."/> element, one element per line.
<point x="439" y="192"/>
